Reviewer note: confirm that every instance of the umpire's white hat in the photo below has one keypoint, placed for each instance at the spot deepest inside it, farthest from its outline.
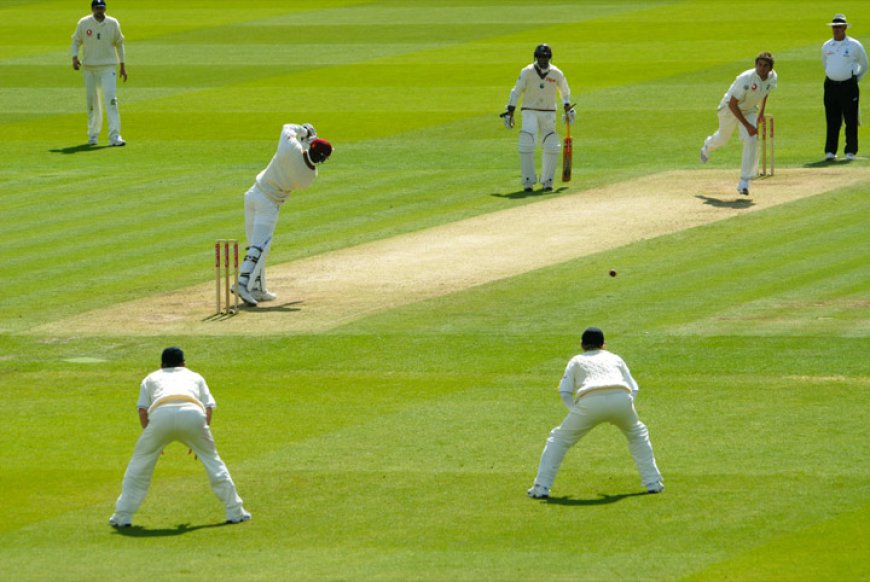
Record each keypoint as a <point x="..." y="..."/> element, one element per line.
<point x="839" y="20"/>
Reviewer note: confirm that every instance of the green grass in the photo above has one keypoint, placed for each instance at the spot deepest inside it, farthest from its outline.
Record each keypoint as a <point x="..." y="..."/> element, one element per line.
<point x="400" y="446"/>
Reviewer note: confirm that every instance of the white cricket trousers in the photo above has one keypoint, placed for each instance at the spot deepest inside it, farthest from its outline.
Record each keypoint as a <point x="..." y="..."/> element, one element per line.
<point x="261" y="218"/>
<point x="185" y="423"/>
<point x="615" y="407"/>
<point x="101" y="89"/>
<point x="727" y="124"/>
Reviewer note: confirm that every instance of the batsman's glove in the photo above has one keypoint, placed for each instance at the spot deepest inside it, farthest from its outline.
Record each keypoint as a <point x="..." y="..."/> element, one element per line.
<point x="312" y="133"/>
<point x="508" y="117"/>
<point x="569" y="115"/>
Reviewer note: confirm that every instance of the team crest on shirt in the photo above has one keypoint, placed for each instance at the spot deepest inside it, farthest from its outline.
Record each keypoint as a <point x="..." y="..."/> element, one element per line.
<point x="755" y="87"/>
<point x="89" y="32"/>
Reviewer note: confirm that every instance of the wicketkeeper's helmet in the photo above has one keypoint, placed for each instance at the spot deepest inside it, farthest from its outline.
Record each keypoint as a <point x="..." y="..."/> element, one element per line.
<point x="319" y="150"/>
<point x="543" y="55"/>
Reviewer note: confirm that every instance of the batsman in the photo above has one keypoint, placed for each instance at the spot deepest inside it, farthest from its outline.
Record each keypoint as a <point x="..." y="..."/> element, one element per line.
<point x="537" y="84"/>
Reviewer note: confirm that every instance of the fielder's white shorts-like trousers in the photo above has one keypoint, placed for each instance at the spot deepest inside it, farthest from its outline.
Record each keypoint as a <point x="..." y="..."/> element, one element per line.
<point x="614" y="407"/>
<point x="101" y="90"/>
<point x="184" y="423"/>
<point x="727" y="124"/>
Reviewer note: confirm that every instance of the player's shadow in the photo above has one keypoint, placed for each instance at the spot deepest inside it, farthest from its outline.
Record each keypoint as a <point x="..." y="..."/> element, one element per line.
<point x="826" y="163"/>
<point x="137" y="531"/>
<point x="79" y="148"/>
<point x="603" y="499"/>
<point x="719" y="203"/>
<point x="284" y="308"/>
<point x="520" y="194"/>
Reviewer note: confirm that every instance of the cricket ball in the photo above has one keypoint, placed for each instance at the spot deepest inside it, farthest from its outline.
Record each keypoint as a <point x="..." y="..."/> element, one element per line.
<point x="613" y="272"/>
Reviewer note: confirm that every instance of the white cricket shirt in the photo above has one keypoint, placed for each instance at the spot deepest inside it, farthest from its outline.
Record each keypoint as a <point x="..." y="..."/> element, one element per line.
<point x="103" y="41"/>
<point x="539" y="93"/>
<point x="844" y="58"/>
<point x="288" y="169"/>
<point x="596" y="370"/>
<point x="168" y="382"/>
<point x="749" y="90"/>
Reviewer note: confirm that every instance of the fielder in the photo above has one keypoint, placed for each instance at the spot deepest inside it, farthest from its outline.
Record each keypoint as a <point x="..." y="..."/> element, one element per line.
<point x="175" y="404"/>
<point x="538" y="84"/>
<point x="293" y="167"/>
<point x="597" y="387"/>
<point x="740" y="107"/>
<point x="103" y="51"/>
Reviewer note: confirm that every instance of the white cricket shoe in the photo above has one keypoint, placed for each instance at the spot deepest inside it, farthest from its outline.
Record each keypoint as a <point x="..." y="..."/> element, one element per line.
<point x="851" y="157"/>
<point x="705" y="155"/>
<point x="118" y="142"/>
<point x="830" y="156"/>
<point x="120" y="520"/>
<point x="743" y="187"/>
<point x="242" y="291"/>
<point x="92" y="140"/>
<point x="656" y="487"/>
<point x="263" y="295"/>
<point x="242" y="517"/>
<point x="538" y="492"/>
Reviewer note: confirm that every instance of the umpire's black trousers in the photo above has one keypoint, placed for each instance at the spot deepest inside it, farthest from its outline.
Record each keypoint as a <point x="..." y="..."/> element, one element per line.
<point x="841" y="104"/>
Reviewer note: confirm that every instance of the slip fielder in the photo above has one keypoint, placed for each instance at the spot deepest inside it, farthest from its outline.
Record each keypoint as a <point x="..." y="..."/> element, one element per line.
<point x="597" y="387"/>
<point x="175" y="404"/>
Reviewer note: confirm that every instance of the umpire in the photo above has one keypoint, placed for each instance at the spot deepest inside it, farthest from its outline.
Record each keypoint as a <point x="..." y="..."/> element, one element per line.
<point x="845" y="63"/>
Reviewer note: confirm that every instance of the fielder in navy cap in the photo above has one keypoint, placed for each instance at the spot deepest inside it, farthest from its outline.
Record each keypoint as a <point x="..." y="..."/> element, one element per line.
<point x="592" y="338"/>
<point x="172" y="358"/>
<point x="597" y="388"/>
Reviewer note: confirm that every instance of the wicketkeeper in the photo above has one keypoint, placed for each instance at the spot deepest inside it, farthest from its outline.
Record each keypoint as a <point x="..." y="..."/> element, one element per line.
<point x="538" y="83"/>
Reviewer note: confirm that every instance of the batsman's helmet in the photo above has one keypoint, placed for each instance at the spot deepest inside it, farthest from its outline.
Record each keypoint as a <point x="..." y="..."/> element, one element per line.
<point x="319" y="150"/>
<point x="543" y="55"/>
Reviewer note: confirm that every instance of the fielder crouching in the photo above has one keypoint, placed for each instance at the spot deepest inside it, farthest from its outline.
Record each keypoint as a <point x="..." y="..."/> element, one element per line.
<point x="175" y="404"/>
<point x="597" y="388"/>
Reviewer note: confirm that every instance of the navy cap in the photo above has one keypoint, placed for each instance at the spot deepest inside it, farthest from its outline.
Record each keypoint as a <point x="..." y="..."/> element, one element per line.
<point x="172" y="358"/>
<point x="592" y="337"/>
<point x="96" y="3"/>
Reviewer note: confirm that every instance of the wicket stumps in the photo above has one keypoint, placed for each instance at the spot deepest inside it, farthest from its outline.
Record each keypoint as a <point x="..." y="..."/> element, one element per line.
<point x="224" y="305"/>
<point x="767" y="123"/>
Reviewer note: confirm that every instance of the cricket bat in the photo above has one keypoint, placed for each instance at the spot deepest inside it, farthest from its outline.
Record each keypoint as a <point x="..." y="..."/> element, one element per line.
<point x="567" y="152"/>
